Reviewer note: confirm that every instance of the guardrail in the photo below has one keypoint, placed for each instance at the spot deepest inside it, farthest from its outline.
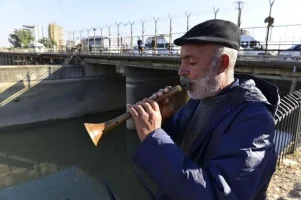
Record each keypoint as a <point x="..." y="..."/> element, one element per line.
<point x="288" y="125"/>
<point x="166" y="52"/>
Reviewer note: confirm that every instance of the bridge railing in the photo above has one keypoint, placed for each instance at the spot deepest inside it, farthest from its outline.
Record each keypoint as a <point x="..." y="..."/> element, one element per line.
<point x="288" y="125"/>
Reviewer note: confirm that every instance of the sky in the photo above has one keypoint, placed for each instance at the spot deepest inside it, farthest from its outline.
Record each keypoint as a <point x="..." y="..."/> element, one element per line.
<point x="75" y="15"/>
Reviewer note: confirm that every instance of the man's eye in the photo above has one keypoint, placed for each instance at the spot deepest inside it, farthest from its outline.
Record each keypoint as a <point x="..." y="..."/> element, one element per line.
<point x="193" y="63"/>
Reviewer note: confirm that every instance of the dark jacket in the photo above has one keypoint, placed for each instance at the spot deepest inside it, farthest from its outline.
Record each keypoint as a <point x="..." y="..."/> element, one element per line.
<point x="234" y="158"/>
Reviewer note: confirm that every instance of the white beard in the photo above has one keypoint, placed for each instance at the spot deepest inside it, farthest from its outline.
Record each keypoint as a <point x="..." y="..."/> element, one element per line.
<point x="206" y="85"/>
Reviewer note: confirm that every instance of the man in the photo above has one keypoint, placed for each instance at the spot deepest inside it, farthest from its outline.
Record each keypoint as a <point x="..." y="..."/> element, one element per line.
<point x="139" y="42"/>
<point x="220" y="144"/>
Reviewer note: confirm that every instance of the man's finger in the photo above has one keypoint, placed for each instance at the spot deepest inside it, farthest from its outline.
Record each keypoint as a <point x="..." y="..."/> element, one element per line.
<point x="140" y="109"/>
<point x="167" y="89"/>
<point x="153" y="104"/>
<point x="147" y="107"/>
<point x="166" y="101"/>
<point x="154" y="96"/>
<point x="160" y="94"/>
<point x="132" y="110"/>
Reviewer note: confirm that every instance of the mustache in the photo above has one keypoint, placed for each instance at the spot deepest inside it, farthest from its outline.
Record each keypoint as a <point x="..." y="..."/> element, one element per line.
<point x="185" y="82"/>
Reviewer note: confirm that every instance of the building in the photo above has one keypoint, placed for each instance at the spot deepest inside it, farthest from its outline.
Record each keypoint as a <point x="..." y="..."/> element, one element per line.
<point x="36" y="31"/>
<point x="56" y="33"/>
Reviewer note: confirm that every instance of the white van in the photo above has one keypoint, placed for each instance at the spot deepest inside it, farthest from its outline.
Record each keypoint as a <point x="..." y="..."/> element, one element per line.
<point x="36" y="47"/>
<point x="251" y="47"/>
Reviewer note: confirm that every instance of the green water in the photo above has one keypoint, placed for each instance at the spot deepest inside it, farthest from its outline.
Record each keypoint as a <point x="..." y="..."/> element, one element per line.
<point x="46" y="148"/>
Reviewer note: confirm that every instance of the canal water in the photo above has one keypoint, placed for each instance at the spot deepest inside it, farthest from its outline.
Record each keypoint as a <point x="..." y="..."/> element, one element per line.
<point x="52" y="153"/>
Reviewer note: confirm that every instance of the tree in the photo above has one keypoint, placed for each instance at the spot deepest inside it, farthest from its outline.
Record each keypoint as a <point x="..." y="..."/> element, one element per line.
<point x="20" y="37"/>
<point x="49" y="43"/>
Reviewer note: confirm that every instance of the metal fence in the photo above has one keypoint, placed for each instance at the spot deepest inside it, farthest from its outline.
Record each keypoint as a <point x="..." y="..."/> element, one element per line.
<point x="288" y="125"/>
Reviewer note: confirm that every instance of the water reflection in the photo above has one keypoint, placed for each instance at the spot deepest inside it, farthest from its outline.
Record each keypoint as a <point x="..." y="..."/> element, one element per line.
<point x="70" y="183"/>
<point x="43" y="149"/>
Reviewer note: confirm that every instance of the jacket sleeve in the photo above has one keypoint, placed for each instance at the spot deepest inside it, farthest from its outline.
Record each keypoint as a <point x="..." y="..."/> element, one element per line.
<point x="241" y="157"/>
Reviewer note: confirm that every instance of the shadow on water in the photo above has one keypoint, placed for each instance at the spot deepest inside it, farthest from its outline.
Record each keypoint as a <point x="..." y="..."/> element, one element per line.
<point x="49" y="147"/>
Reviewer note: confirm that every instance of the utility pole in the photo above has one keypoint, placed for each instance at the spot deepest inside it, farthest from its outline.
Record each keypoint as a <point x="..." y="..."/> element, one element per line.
<point x="131" y="33"/>
<point x="270" y="22"/>
<point x="156" y="20"/>
<point x="142" y="22"/>
<point x="109" y="27"/>
<point x="240" y="5"/>
<point x="187" y="15"/>
<point x="118" y="34"/>
<point x="215" y="12"/>
<point x="170" y="30"/>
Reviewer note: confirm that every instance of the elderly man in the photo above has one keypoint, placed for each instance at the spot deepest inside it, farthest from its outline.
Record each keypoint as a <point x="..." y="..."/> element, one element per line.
<point x="220" y="144"/>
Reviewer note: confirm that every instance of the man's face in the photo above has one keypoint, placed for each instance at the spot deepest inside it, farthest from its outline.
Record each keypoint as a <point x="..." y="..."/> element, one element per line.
<point x="198" y="68"/>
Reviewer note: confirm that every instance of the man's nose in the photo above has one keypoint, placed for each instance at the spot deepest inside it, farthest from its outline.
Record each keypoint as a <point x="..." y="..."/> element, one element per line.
<point x="183" y="71"/>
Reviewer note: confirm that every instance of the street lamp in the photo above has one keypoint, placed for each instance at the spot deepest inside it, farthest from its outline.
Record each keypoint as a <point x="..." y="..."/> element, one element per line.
<point x="118" y="33"/>
<point x="109" y="27"/>
<point x="73" y="37"/>
<point x="88" y="30"/>
<point x="69" y="38"/>
<point x="94" y="29"/>
<point x="270" y="21"/>
<point x="81" y="38"/>
<point x="156" y="20"/>
<point x="101" y="40"/>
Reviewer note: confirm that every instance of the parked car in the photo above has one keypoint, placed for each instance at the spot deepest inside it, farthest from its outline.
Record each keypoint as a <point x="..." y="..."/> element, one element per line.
<point x="293" y="52"/>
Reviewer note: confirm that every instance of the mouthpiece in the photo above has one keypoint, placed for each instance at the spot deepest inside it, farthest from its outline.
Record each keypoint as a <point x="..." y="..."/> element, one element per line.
<point x="185" y="83"/>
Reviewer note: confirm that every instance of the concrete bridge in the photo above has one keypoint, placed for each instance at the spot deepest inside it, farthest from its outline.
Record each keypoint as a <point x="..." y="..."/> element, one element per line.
<point x="36" y="87"/>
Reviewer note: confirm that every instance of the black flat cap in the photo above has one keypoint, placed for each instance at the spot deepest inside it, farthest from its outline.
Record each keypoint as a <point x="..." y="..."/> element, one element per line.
<point x="214" y="31"/>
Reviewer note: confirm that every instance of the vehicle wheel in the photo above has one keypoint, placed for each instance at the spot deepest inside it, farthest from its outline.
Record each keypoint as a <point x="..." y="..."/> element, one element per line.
<point x="260" y="55"/>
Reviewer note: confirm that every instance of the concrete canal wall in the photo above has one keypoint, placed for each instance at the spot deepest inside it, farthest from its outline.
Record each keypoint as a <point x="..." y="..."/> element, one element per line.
<point x="33" y="93"/>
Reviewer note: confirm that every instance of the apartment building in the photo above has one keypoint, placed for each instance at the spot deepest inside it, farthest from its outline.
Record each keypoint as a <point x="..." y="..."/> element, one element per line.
<point x="56" y="33"/>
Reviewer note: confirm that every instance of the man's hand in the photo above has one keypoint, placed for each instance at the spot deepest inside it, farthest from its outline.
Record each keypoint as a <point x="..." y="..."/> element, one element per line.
<point x="147" y="117"/>
<point x="167" y="107"/>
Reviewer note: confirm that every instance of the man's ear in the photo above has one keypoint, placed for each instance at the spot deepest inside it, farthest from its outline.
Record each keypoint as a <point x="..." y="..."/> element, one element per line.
<point x="225" y="62"/>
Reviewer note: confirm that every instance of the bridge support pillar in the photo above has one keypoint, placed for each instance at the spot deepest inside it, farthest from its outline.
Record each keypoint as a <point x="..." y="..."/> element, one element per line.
<point x="10" y="60"/>
<point x="293" y="85"/>
<point x="109" y="91"/>
<point x="4" y="60"/>
<point x="142" y="83"/>
<point x="1" y="60"/>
